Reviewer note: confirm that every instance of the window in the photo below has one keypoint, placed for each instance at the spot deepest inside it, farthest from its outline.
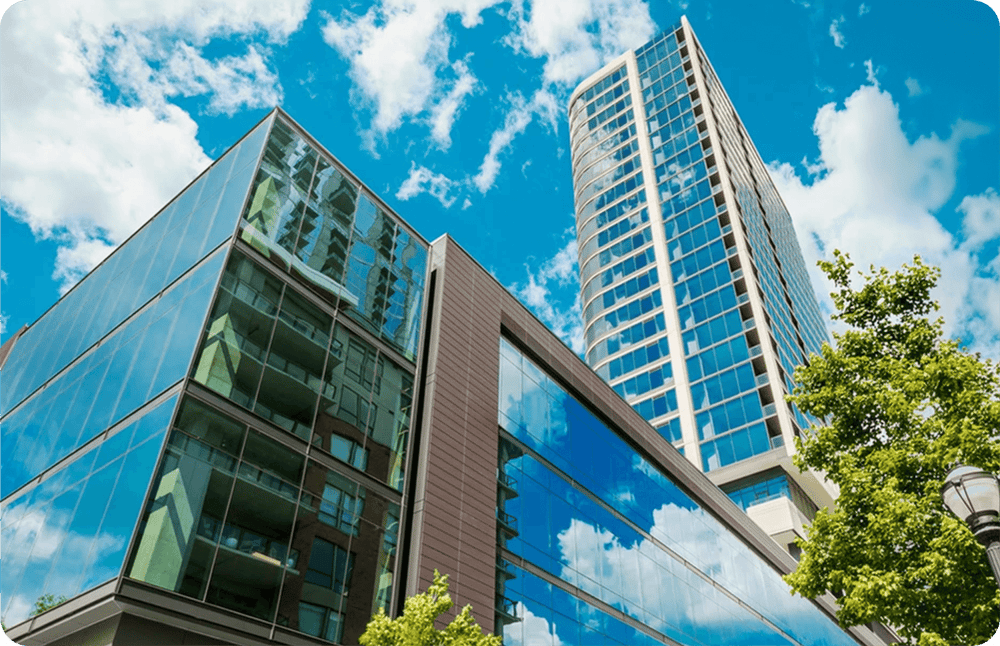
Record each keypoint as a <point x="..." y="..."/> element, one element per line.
<point x="349" y="451"/>
<point x="360" y="363"/>
<point x="330" y="566"/>
<point x="321" y="621"/>
<point x="341" y="507"/>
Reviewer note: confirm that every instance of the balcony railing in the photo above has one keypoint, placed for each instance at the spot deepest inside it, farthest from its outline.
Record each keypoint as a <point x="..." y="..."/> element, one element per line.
<point x="507" y="481"/>
<point x="506" y="610"/>
<point x="507" y="523"/>
<point x="503" y="568"/>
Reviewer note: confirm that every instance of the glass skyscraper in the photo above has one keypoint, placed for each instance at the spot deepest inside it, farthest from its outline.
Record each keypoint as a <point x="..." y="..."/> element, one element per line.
<point x="697" y="304"/>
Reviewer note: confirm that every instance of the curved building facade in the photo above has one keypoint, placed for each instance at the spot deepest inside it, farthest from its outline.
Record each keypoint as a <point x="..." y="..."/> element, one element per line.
<point x="696" y="301"/>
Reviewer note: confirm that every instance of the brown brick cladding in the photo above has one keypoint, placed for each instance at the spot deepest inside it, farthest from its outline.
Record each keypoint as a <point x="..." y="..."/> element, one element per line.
<point x="454" y="523"/>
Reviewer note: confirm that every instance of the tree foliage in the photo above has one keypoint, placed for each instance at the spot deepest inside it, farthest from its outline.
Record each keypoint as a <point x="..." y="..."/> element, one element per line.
<point x="46" y="602"/>
<point x="416" y="625"/>
<point x="901" y="405"/>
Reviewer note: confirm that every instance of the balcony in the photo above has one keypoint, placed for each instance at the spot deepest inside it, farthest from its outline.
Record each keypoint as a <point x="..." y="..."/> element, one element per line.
<point x="503" y="569"/>
<point x="507" y="523"/>
<point x="508" y="483"/>
<point x="506" y="610"/>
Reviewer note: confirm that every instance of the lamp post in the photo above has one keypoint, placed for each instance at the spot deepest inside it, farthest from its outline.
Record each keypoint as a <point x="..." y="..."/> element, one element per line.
<point x="974" y="496"/>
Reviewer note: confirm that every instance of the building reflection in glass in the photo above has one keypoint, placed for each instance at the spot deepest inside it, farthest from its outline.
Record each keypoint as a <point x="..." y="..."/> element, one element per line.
<point x="620" y="535"/>
<point x="270" y="350"/>
<point x="240" y="520"/>
<point x="308" y="219"/>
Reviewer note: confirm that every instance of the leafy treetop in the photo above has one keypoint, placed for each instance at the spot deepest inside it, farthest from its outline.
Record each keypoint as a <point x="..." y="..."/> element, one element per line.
<point x="416" y="625"/>
<point x="901" y="406"/>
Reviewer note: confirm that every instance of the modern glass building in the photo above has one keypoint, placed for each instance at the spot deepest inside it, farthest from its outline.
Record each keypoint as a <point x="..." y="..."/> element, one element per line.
<point x="214" y="422"/>
<point x="696" y="301"/>
<point x="276" y="409"/>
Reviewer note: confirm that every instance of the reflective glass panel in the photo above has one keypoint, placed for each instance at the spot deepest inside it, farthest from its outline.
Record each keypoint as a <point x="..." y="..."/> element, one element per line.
<point x="69" y="533"/>
<point x="138" y="361"/>
<point x="598" y="517"/>
<point x="344" y="543"/>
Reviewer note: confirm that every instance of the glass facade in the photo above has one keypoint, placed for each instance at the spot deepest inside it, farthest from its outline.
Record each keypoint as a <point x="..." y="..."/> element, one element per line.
<point x="241" y="520"/>
<point x="779" y="271"/>
<point x="271" y="350"/>
<point x="669" y="295"/>
<point x="279" y="493"/>
<point x="309" y="219"/>
<point x="598" y="545"/>
<point x="70" y="532"/>
<point x="87" y="393"/>
<point x="140" y="359"/>
<point x="251" y="370"/>
<point x="194" y="223"/>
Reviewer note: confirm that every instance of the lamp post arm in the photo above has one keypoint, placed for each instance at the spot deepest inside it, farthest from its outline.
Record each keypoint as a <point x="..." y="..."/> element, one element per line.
<point x="993" y="554"/>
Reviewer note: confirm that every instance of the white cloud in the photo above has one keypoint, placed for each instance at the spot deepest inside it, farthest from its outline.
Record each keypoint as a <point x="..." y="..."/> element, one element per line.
<point x="444" y="113"/>
<point x="424" y="180"/>
<point x="530" y="630"/>
<point x="863" y="9"/>
<point x="982" y="218"/>
<point x="86" y="171"/>
<point x="576" y="37"/>
<point x="397" y="51"/>
<point x="560" y="271"/>
<point x="517" y="119"/>
<point x="543" y="104"/>
<point x="836" y="34"/>
<point x="233" y="83"/>
<point x="870" y="73"/>
<point x="874" y="193"/>
<point x="913" y="87"/>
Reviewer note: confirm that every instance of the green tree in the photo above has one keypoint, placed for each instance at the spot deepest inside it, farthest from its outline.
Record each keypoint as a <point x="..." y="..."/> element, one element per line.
<point x="46" y="602"/>
<point x="416" y="625"/>
<point x="902" y="405"/>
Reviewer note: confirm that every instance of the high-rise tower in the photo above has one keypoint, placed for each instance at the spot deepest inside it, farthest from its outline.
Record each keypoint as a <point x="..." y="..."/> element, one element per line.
<point x="696" y="301"/>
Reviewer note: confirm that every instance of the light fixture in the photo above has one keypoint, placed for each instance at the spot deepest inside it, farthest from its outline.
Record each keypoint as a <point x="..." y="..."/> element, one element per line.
<point x="974" y="496"/>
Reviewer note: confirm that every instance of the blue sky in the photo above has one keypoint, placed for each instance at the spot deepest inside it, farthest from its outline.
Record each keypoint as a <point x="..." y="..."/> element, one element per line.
<point x="880" y="122"/>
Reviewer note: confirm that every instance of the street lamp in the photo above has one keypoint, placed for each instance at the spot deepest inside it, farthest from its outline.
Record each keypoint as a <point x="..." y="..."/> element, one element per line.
<point x="974" y="496"/>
